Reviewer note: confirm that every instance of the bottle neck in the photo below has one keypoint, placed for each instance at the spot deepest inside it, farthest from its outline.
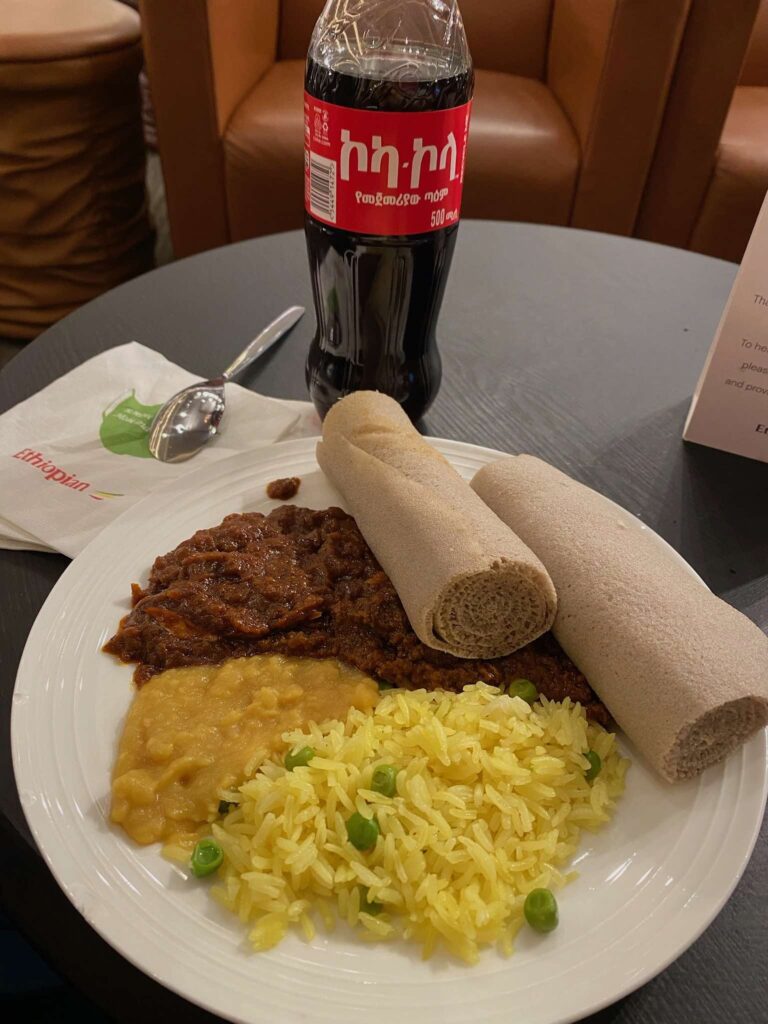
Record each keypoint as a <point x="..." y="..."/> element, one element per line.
<point x="417" y="40"/>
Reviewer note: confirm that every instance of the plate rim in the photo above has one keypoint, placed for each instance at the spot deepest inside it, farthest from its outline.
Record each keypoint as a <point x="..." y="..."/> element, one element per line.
<point x="37" y="819"/>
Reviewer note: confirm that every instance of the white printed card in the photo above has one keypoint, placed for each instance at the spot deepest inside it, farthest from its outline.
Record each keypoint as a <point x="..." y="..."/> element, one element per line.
<point x="730" y="406"/>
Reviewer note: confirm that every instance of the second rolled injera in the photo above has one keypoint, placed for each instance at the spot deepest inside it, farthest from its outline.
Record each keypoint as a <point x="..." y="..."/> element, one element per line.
<point x="684" y="674"/>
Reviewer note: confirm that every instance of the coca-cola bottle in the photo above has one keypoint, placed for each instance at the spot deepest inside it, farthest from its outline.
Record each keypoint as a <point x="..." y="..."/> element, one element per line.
<point x="386" y="116"/>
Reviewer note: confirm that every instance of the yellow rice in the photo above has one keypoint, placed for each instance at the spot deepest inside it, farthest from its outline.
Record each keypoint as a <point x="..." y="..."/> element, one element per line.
<point x="491" y="800"/>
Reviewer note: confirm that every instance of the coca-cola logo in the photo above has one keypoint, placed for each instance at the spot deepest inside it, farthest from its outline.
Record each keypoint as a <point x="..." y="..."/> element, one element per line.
<point x="369" y="159"/>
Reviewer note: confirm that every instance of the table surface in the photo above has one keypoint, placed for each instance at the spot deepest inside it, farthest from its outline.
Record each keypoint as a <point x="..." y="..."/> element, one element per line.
<point x="577" y="347"/>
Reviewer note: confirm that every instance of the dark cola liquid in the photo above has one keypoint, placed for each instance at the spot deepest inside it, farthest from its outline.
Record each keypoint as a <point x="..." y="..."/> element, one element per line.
<point x="378" y="298"/>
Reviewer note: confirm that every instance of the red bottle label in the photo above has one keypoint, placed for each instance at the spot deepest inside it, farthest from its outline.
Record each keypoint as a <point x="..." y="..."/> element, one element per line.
<point x="379" y="173"/>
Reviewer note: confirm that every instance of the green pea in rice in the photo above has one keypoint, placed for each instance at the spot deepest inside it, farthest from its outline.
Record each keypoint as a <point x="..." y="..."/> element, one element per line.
<point x="491" y="800"/>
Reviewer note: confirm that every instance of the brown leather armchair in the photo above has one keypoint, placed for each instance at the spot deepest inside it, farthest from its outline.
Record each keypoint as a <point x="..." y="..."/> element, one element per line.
<point x="710" y="170"/>
<point x="569" y="97"/>
<point x="73" y="217"/>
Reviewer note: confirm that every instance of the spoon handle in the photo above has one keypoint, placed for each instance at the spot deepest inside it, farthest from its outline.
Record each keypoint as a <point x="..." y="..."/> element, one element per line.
<point x="268" y="337"/>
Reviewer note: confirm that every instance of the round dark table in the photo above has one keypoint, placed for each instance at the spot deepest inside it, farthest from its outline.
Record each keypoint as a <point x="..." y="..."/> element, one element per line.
<point x="581" y="348"/>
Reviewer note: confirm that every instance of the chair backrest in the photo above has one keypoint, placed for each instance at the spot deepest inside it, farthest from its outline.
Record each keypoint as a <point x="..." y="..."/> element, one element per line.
<point x="503" y="35"/>
<point x="755" y="69"/>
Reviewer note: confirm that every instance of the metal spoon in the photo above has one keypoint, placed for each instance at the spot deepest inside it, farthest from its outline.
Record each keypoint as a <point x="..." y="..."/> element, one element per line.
<point x="191" y="418"/>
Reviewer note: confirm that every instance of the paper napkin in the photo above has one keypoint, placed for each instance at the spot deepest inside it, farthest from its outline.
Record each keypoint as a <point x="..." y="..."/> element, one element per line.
<point x="74" y="456"/>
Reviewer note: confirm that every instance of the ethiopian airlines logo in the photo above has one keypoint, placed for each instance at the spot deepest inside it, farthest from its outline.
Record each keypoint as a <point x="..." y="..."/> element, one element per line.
<point x="56" y="475"/>
<point x="125" y="427"/>
<point x="105" y="495"/>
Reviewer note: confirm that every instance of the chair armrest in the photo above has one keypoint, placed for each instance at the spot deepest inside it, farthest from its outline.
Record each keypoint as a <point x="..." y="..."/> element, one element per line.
<point x="755" y="68"/>
<point x="203" y="56"/>
<point x="243" y="41"/>
<point x="610" y="65"/>
<point x="707" y="72"/>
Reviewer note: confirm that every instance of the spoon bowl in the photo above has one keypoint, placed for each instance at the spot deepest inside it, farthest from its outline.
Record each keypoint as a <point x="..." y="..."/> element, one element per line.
<point x="188" y="421"/>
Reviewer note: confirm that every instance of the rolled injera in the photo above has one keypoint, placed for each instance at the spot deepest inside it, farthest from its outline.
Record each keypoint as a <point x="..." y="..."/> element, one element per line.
<point x="468" y="585"/>
<point x="683" y="673"/>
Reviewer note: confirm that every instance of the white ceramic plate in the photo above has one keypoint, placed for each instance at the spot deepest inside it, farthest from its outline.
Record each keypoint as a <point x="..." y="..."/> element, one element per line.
<point x="650" y="882"/>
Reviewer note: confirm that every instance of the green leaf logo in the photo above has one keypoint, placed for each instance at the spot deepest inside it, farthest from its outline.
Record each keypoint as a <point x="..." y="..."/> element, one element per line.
<point x="125" y="427"/>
